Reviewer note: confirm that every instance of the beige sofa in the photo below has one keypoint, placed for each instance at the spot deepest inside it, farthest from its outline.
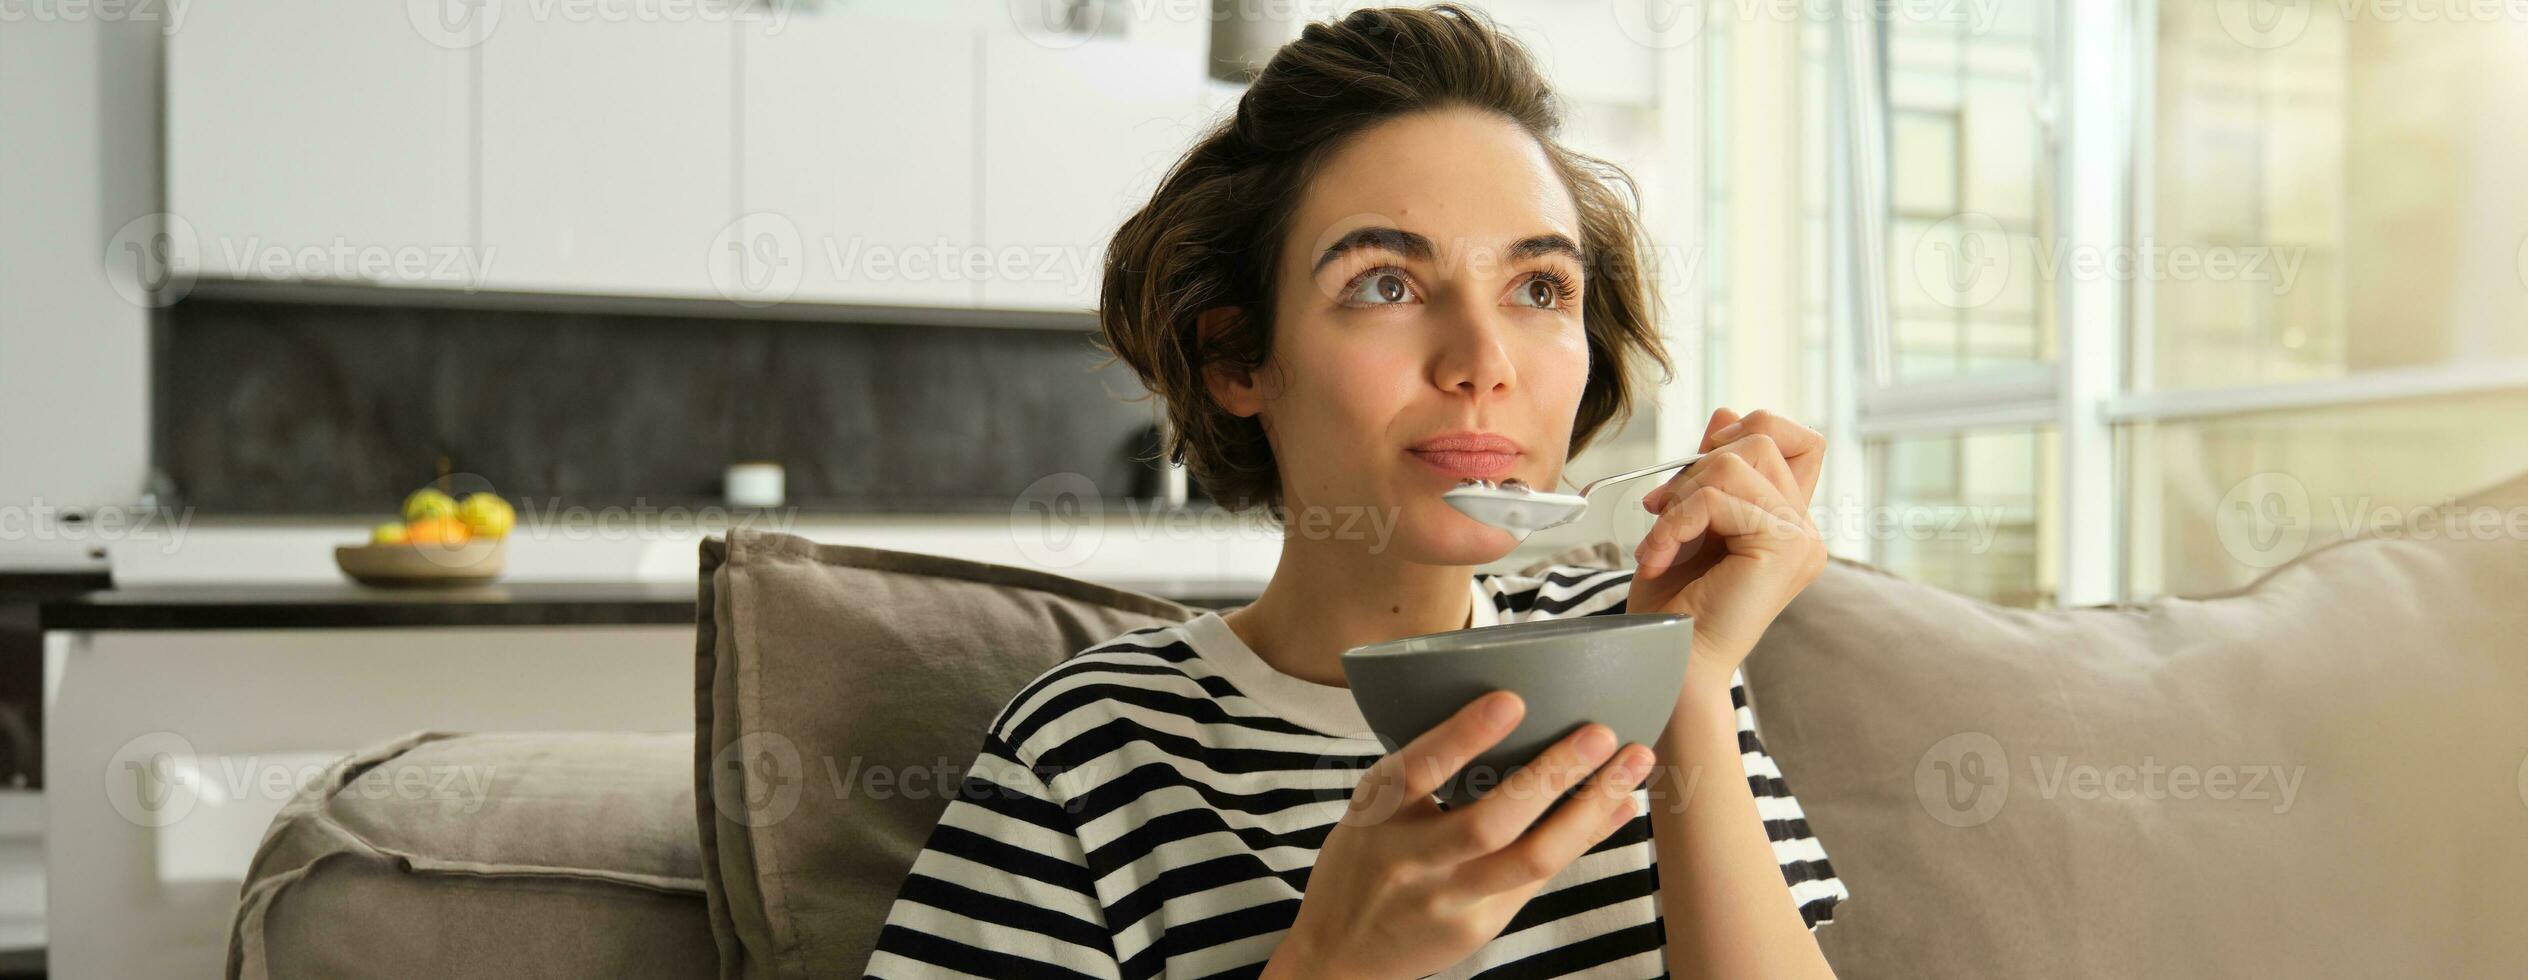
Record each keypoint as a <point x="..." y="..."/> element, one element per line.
<point x="2322" y="774"/>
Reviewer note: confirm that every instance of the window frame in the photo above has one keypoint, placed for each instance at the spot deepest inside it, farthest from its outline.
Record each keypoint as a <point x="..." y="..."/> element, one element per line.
<point x="2095" y="103"/>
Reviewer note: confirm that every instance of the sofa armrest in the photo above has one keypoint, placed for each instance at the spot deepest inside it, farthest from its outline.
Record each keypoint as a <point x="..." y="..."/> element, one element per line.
<point x="514" y="854"/>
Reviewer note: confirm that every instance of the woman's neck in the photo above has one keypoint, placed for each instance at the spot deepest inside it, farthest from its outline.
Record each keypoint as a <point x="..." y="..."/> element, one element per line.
<point x="1328" y="596"/>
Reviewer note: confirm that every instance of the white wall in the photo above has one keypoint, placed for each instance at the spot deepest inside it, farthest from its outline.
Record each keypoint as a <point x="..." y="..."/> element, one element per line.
<point x="78" y="161"/>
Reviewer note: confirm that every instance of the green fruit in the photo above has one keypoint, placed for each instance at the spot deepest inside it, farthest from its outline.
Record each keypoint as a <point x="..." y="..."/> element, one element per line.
<point x="427" y="503"/>
<point x="487" y="515"/>
<point x="391" y="532"/>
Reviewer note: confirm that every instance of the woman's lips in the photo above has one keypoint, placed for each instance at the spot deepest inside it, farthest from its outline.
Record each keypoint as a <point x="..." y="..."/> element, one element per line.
<point x="1462" y="463"/>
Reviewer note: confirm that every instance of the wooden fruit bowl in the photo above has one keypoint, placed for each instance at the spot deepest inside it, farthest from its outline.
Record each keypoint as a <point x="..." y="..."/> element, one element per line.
<point x="423" y="565"/>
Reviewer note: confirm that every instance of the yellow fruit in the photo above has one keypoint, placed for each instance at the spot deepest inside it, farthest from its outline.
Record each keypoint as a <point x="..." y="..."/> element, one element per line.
<point x="391" y="532"/>
<point x="437" y="530"/>
<point x="487" y="515"/>
<point x="427" y="503"/>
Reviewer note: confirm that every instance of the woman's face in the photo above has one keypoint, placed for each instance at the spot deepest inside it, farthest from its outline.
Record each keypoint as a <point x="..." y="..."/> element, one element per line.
<point x="1428" y="329"/>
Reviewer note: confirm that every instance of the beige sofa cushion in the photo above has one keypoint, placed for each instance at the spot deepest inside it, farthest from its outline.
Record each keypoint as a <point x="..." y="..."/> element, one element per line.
<point x="825" y="668"/>
<point x="2099" y="792"/>
<point x="516" y="855"/>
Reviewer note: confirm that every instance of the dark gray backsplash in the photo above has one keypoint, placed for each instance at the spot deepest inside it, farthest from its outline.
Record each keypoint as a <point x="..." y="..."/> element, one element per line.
<point x="275" y="408"/>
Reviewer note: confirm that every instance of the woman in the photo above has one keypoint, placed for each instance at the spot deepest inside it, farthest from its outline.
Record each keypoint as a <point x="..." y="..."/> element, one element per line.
<point x="1380" y="277"/>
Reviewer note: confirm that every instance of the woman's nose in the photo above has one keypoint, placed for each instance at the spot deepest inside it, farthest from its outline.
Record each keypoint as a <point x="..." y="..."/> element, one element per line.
<point x="1474" y="357"/>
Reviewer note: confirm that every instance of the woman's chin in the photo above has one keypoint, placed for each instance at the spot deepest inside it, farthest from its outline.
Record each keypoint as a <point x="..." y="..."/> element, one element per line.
<point x="1451" y="538"/>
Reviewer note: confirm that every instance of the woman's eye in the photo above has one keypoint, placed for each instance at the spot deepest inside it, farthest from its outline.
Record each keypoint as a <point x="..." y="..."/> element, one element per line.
<point x="1379" y="288"/>
<point x="1543" y="292"/>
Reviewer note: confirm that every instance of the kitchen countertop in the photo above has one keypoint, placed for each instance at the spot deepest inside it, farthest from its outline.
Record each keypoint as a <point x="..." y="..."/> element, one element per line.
<point x="349" y="606"/>
<point x="346" y="605"/>
<point x="53" y="579"/>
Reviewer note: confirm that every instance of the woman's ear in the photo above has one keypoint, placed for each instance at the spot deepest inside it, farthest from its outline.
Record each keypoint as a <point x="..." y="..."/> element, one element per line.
<point x="1234" y="387"/>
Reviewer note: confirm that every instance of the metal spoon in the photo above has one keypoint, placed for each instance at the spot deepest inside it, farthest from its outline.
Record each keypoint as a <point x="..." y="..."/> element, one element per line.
<point x="1522" y="511"/>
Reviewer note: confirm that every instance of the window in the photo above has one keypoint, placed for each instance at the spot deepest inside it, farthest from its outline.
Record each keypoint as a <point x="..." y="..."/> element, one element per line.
<point x="2332" y="198"/>
<point x="1969" y="197"/>
<point x="2218" y="499"/>
<point x="1944" y="466"/>
<point x="2157" y="279"/>
<point x="1963" y="511"/>
<point x="2338" y="334"/>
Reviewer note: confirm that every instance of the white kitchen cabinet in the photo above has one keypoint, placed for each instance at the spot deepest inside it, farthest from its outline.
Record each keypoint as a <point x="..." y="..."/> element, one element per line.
<point x="858" y="160"/>
<point x="315" y="139"/>
<point x="609" y="159"/>
<point x="1074" y="139"/>
<point x="941" y="156"/>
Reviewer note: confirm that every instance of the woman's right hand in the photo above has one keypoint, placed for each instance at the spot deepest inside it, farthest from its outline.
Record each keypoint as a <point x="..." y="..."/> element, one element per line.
<point x="1403" y="888"/>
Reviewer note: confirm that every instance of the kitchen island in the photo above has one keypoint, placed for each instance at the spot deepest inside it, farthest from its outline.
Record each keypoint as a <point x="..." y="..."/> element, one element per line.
<point x="348" y="606"/>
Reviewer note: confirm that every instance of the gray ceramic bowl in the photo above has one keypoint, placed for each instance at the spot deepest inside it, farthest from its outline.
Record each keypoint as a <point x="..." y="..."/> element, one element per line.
<point x="1624" y="671"/>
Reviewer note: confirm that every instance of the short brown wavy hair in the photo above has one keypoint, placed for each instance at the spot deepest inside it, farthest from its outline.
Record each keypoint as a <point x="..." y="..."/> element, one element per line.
<point x="1212" y="231"/>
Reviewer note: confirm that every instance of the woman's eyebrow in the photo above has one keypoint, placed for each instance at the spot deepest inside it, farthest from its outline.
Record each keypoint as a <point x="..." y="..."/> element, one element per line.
<point x="1418" y="248"/>
<point x="1397" y="240"/>
<point x="1547" y="244"/>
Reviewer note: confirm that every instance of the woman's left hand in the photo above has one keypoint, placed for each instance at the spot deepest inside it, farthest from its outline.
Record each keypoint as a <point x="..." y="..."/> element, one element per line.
<point x="1734" y="541"/>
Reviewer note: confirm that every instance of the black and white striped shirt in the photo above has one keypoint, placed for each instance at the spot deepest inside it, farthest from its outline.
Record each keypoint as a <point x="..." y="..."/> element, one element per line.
<point x="1152" y="806"/>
